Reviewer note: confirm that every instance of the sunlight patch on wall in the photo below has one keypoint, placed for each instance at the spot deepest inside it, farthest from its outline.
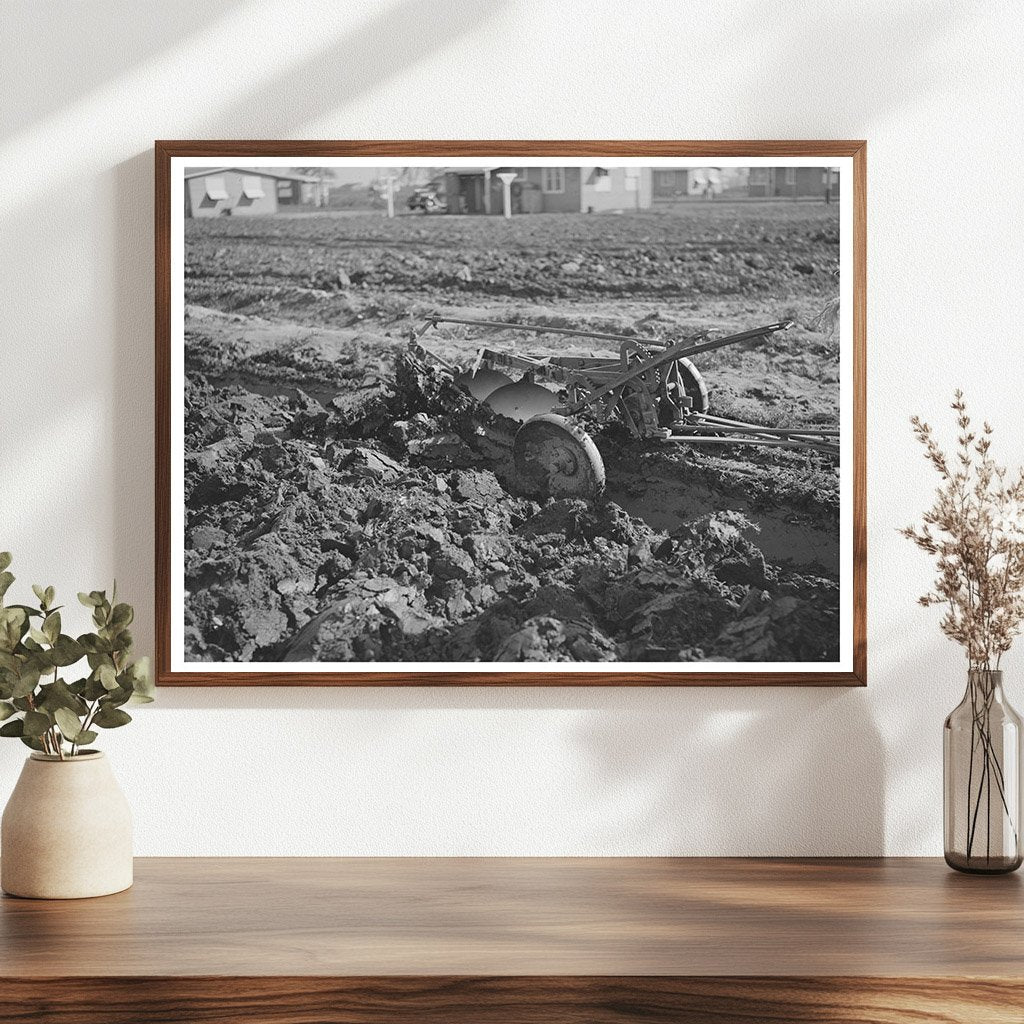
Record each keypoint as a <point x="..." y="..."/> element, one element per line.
<point x="89" y="140"/>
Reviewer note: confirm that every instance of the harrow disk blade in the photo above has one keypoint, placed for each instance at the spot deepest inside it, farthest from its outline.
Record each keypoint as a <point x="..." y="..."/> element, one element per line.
<point x="522" y="401"/>
<point x="556" y="458"/>
<point x="482" y="383"/>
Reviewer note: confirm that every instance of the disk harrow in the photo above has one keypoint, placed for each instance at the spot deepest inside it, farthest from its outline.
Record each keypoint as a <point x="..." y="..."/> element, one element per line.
<point x="652" y="389"/>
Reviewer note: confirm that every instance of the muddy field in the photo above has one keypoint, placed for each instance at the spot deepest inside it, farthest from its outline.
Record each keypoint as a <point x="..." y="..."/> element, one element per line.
<point x="339" y="505"/>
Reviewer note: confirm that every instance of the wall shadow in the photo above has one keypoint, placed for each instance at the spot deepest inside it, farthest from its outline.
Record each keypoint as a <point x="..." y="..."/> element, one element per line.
<point x="84" y="46"/>
<point x="743" y="772"/>
<point x="132" y="407"/>
<point x="395" y="39"/>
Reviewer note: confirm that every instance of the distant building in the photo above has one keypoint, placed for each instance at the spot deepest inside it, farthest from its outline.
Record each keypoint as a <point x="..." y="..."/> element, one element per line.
<point x="248" y="192"/>
<point x="548" y="189"/>
<point x="670" y="184"/>
<point x="793" y="182"/>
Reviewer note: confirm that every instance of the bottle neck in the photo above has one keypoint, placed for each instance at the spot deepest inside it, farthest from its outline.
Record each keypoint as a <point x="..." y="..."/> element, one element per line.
<point x="985" y="683"/>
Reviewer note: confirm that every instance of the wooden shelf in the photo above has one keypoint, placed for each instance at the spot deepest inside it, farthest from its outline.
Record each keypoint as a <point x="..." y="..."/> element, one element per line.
<point x="282" y="941"/>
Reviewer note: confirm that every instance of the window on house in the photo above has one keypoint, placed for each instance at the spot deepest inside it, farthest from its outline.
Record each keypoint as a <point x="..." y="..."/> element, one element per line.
<point x="666" y="179"/>
<point x="602" y="180"/>
<point x="553" y="179"/>
<point x="790" y="177"/>
<point x="758" y="175"/>
<point x="216" y="188"/>
<point x="284" y="190"/>
<point x="632" y="179"/>
<point x="252" y="187"/>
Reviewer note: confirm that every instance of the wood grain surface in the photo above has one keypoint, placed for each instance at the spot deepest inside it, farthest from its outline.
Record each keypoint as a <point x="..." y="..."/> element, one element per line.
<point x="519" y="1000"/>
<point x="575" y="941"/>
<point x="250" y="151"/>
<point x="530" y="916"/>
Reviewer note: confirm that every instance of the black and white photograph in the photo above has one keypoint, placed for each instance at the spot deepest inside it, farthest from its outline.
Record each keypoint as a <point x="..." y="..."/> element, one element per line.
<point x="534" y="415"/>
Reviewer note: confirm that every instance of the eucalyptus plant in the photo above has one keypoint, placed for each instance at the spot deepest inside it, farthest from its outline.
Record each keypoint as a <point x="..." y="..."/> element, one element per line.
<point x="37" y="704"/>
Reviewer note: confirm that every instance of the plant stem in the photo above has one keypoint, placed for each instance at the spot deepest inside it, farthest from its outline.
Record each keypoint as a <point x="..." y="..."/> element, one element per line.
<point x="59" y="740"/>
<point x="982" y="698"/>
<point x="970" y="767"/>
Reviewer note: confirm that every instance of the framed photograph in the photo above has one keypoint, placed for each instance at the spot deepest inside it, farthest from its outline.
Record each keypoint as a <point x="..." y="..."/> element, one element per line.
<point x="510" y="413"/>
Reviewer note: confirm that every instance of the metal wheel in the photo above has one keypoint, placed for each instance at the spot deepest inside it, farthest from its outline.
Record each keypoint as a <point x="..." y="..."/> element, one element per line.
<point x="556" y="458"/>
<point x="693" y="384"/>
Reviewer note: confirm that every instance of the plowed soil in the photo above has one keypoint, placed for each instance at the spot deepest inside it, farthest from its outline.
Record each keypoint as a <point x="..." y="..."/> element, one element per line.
<point x="341" y="507"/>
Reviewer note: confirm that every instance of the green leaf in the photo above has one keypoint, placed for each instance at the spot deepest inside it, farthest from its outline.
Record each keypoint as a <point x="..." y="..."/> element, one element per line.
<point x="40" y="593"/>
<point x="122" y="616"/>
<point x="38" y="635"/>
<point x="31" y="741"/>
<point x="94" y="689"/>
<point x="6" y="579"/>
<point x="36" y="723"/>
<point x="89" y="600"/>
<point x="69" y="724"/>
<point x="12" y="627"/>
<point x="86" y="736"/>
<point x="67" y="651"/>
<point x="107" y="676"/>
<point x="49" y="595"/>
<point x="115" y="698"/>
<point x="108" y="718"/>
<point x="5" y="560"/>
<point x="6" y="710"/>
<point x="13" y="728"/>
<point x="30" y="612"/>
<point x="94" y="644"/>
<point x="28" y="680"/>
<point x="51" y="626"/>
<point x="59" y="695"/>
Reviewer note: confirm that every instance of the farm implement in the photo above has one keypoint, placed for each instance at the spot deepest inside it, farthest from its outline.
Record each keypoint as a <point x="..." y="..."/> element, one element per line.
<point x="652" y="389"/>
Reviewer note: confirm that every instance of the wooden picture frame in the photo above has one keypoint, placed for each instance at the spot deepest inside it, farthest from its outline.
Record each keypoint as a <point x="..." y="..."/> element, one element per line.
<point x="169" y="158"/>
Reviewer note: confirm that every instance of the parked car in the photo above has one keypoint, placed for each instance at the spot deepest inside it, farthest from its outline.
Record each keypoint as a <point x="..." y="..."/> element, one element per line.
<point x="429" y="198"/>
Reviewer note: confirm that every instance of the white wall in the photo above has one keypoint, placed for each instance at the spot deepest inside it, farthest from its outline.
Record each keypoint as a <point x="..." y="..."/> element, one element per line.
<point x="84" y="89"/>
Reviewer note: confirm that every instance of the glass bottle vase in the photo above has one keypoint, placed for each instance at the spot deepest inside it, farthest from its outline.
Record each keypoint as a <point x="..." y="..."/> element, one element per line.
<point x="981" y="770"/>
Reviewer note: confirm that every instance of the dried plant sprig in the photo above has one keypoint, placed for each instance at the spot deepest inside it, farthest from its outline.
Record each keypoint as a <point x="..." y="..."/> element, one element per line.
<point x="975" y="531"/>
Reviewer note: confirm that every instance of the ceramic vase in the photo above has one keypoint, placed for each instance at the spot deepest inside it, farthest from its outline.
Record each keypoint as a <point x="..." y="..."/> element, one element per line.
<point x="66" y="831"/>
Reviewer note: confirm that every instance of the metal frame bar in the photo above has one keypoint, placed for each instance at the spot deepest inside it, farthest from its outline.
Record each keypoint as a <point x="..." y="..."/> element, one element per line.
<point x="681" y="350"/>
<point x="539" y="329"/>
